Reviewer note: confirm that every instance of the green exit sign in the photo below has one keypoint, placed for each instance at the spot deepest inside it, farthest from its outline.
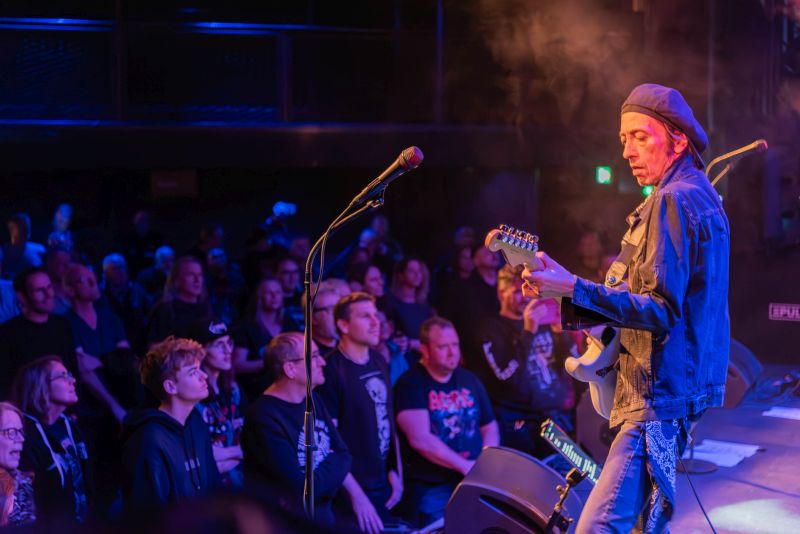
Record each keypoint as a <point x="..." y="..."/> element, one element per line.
<point x="602" y="175"/>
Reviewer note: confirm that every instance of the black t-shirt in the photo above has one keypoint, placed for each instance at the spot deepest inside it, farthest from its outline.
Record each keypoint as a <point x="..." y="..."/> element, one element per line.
<point x="22" y="341"/>
<point x="58" y="457"/>
<point x="524" y="371"/>
<point x="273" y="442"/>
<point x="359" y="397"/>
<point x="457" y="409"/>
<point x="175" y="318"/>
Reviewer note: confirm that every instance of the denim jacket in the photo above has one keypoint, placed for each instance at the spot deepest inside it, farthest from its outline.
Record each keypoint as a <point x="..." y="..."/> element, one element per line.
<point x="675" y="328"/>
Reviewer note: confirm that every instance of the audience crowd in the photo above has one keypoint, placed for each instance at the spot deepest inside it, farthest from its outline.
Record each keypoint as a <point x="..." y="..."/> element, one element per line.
<point x="153" y="378"/>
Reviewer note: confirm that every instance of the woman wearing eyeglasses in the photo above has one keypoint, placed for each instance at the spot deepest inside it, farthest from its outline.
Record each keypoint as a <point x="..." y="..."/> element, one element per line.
<point x="54" y="448"/>
<point x="222" y="410"/>
<point x="16" y="487"/>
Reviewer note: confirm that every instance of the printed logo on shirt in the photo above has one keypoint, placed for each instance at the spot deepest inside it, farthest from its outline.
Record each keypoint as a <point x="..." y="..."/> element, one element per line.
<point x="539" y="357"/>
<point x="377" y="390"/>
<point x="323" y="440"/>
<point x="70" y="463"/>
<point x="450" y="401"/>
<point x="453" y="414"/>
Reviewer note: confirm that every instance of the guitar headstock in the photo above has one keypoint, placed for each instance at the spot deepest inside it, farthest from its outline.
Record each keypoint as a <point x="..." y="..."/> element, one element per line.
<point x="518" y="247"/>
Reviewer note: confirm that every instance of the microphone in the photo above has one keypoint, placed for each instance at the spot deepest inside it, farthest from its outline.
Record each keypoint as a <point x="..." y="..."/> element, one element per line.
<point x="409" y="159"/>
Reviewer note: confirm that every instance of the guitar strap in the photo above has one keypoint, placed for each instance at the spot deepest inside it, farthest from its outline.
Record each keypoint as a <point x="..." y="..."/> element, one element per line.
<point x="637" y="223"/>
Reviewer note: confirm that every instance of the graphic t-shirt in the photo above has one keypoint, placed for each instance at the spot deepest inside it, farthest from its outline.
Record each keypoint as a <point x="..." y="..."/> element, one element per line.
<point x="359" y="397"/>
<point x="524" y="371"/>
<point x="273" y="441"/>
<point x="457" y="409"/>
<point x="58" y="457"/>
<point x="223" y="415"/>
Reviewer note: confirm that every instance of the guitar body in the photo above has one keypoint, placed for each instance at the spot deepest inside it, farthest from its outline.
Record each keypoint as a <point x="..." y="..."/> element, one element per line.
<point x="597" y="365"/>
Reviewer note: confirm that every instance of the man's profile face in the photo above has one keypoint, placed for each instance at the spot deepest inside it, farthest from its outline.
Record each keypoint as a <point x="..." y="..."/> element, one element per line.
<point x="39" y="296"/>
<point x="191" y="382"/>
<point x="647" y="146"/>
<point x="84" y="284"/>
<point x="442" y="350"/>
<point x="364" y="326"/>
<point x="322" y="317"/>
<point x="512" y="300"/>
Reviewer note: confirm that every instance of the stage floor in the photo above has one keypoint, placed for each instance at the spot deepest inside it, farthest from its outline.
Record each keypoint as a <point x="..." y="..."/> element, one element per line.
<point x="762" y="493"/>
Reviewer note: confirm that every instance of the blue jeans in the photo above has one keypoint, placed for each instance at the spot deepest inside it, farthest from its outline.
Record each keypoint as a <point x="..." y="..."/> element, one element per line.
<point x="636" y="489"/>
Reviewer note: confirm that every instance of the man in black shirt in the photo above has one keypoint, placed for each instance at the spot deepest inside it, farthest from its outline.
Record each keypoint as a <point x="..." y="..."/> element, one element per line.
<point x="358" y="395"/>
<point x="35" y="333"/>
<point x="446" y="418"/>
<point x="521" y="357"/>
<point x="273" y="438"/>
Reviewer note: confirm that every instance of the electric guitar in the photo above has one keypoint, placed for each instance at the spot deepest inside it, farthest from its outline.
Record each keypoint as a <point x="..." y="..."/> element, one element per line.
<point x="597" y="364"/>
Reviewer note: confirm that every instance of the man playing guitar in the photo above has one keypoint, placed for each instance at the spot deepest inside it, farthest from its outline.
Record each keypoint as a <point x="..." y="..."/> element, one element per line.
<point x="672" y="311"/>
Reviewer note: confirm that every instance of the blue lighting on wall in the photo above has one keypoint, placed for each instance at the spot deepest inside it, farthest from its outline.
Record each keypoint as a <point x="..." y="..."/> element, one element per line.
<point x="239" y="28"/>
<point x="56" y="24"/>
<point x="242" y="27"/>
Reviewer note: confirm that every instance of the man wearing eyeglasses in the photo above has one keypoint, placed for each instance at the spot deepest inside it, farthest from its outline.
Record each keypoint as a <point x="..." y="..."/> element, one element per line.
<point x="274" y="440"/>
<point x="323" y="329"/>
<point x="35" y="333"/>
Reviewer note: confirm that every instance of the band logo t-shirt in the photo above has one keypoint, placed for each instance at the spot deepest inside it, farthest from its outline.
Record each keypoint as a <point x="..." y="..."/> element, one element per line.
<point x="457" y="409"/>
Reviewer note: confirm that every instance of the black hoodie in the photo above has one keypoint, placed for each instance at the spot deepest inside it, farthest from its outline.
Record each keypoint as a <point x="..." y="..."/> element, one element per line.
<point x="164" y="461"/>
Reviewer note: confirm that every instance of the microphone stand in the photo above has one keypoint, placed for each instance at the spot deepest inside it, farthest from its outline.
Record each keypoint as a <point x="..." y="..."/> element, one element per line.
<point x="734" y="156"/>
<point x="309" y="423"/>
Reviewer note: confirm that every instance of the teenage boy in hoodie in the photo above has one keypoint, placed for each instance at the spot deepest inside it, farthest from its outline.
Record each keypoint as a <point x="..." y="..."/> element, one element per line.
<point x="167" y="455"/>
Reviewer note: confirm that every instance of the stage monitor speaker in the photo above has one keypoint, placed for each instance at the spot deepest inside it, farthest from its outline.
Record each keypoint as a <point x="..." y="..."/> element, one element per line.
<point x="743" y="370"/>
<point x="507" y="492"/>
